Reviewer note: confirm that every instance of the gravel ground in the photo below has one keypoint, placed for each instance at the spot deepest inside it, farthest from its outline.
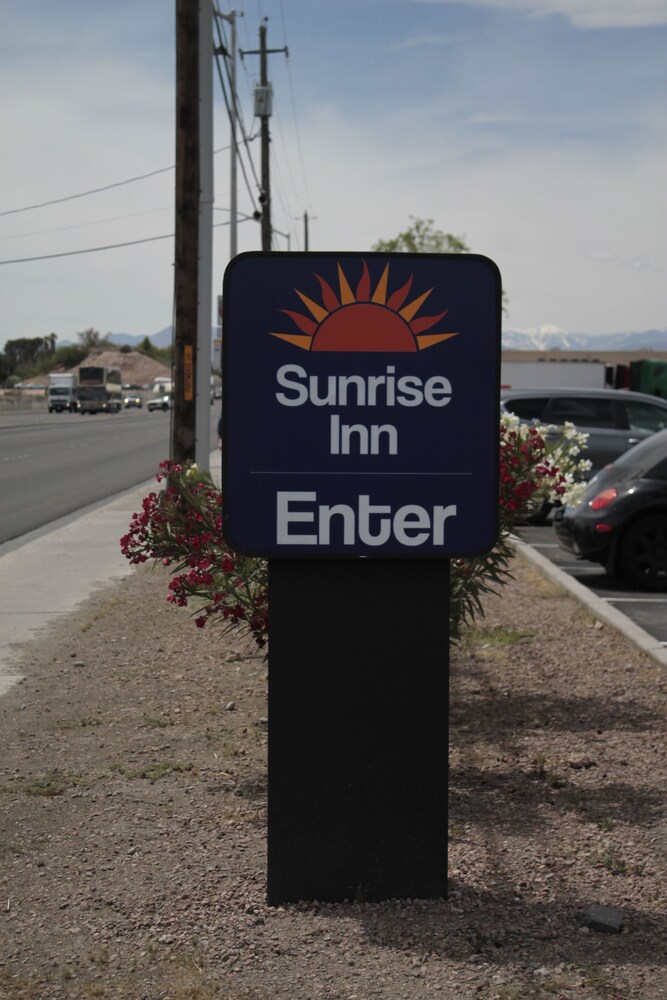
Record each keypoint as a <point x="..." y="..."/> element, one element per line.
<point x="133" y="810"/>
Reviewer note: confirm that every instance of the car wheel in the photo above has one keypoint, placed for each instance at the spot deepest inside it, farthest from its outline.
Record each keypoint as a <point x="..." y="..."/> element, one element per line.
<point x="642" y="557"/>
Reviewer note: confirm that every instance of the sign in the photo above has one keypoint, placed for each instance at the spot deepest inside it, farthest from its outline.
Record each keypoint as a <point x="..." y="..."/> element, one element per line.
<point x="188" y="373"/>
<point x="361" y="404"/>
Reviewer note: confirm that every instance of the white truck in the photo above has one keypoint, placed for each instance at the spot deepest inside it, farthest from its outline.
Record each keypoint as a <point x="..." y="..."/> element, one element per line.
<point x="553" y="374"/>
<point x="62" y="392"/>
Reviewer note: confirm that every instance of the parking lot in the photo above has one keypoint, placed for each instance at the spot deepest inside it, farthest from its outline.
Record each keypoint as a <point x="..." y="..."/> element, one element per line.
<point x="647" y="610"/>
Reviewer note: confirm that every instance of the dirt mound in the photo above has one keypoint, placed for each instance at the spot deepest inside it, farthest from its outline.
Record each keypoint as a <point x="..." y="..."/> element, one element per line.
<point x="135" y="368"/>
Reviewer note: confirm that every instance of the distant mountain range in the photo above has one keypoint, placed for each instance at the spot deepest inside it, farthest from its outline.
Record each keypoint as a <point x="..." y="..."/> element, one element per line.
<point x="549" y="338"/>
<point x="542" y="338"/>
<point x="160" y="339"/>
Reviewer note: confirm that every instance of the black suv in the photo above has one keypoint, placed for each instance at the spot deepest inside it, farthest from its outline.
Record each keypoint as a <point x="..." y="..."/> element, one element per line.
<point x="614" y="419"/>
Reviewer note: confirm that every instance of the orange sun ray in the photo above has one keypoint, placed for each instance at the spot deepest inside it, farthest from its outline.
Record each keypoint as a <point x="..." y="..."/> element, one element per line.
<point x="305" y="343"/>
<point x="429" y="339"/>
<point x="409" y="311"/>
<point x="317" y="311"/>
<point x="380" y="293"/>
<point x="346" y="295"/>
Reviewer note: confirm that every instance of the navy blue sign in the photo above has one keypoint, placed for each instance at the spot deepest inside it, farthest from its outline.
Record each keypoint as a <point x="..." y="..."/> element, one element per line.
<point x="361" y="404"/>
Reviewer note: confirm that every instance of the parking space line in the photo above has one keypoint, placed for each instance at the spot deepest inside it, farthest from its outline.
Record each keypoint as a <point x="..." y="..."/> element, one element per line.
<point x="603" y="608"/>
<point x="636" y="600"/>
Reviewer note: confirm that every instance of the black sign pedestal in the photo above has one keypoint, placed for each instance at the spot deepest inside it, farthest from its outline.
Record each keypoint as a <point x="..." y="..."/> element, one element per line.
<point x="358" y="729"/>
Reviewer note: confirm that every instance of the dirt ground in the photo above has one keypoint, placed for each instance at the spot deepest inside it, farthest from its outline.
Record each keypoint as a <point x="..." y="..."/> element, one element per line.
<point x="133" y="819"/>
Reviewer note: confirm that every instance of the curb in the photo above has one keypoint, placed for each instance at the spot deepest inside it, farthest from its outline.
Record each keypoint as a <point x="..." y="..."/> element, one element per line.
<point x="602" y="610"/>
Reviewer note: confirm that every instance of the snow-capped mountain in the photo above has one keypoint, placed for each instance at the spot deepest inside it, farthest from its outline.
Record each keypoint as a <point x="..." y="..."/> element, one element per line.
<point x="549" y="338"/>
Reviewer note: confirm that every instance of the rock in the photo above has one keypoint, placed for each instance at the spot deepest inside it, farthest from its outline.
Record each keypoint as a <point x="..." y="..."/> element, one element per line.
<point x="581" y="763"/>
<point x="604" y="919"/>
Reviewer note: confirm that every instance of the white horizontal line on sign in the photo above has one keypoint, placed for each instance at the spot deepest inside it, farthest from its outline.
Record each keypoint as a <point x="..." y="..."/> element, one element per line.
<point x="299" y="472"/>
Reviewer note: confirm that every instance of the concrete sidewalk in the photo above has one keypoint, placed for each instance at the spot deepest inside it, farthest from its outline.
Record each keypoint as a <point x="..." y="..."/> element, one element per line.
<point x="46" y="574"/>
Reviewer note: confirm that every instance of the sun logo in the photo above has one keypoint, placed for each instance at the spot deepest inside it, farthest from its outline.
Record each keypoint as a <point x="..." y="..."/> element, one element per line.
<point x="363" y="320"/>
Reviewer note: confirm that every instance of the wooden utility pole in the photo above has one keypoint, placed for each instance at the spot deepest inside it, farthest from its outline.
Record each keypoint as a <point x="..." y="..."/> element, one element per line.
<point x="186" y="243"/>
<point x="263" y="100"/>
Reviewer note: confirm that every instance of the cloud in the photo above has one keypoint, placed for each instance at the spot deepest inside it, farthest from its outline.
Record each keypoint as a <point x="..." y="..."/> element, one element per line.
<point x="433" y="40"/>
<point x="584" y="14"/>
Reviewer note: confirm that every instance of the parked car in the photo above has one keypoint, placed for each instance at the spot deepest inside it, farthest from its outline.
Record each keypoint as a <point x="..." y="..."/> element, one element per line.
<point x="621" y="521"/>
<point x="160" y="403"/>
<point x="132" y="399"/>
<point x="614" y="419"/>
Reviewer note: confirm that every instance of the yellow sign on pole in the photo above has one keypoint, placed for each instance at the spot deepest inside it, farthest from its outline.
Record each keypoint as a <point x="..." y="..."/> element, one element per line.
<point x="188" y="370"/>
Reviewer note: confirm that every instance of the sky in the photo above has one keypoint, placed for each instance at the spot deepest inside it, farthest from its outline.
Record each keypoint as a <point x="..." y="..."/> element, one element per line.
<point x="534" y="129"/>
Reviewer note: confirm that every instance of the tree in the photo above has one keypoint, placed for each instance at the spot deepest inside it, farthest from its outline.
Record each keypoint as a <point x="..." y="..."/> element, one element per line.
<point x="421" y="237"/>
<point x="93" y="338"/>
<point x="70" y="355"/>
<point x="25" y="352"/>
<point x="4" y="369"/>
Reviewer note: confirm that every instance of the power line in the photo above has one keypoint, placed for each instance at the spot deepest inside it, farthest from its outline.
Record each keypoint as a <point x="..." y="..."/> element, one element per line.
<point x="98" y="190"/>
<point x="85" y="225"/>
<point x="239" y="118"/>
<point x="297" y="133"/>
<point x="109" y="246"/>
<point x="84" y="194"/>
<point x="74" y="253"/>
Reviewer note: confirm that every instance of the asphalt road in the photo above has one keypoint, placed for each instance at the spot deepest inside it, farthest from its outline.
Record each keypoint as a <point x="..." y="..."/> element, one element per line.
<point x="647" y="610"/>
<point x="54" y="464"/>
